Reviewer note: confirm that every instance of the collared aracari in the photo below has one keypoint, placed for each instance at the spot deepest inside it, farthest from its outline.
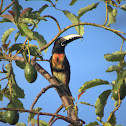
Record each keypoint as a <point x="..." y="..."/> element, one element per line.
<point x="59" y="64"/>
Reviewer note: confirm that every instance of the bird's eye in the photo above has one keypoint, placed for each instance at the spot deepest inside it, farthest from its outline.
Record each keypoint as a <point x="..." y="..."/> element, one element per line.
<point x="62" y="44"/>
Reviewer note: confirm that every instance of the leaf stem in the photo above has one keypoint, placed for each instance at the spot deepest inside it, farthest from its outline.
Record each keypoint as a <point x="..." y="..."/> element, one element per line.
<point x="106" y="13"/>
<point x="122" y="45"/>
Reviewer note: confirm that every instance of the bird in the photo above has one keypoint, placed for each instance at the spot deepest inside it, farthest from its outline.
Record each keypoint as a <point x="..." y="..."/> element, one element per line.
<point x="59" y="63"/>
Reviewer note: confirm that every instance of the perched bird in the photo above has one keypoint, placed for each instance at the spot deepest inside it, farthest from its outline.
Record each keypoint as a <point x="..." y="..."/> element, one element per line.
<point x="59" y="64"/>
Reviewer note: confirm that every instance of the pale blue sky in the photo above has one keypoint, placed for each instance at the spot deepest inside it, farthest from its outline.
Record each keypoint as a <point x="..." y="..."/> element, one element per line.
<point x="86" y="59"/>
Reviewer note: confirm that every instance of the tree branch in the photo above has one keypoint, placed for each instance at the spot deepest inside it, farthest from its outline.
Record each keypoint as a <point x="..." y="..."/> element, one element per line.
<point x="7" y="7"/>
<point x="69" y="120"/>
<point x="41" y="92"/>
<point x="54" y="20"/>
<point x="83" y="23"/>
<point x="50" y="121"/>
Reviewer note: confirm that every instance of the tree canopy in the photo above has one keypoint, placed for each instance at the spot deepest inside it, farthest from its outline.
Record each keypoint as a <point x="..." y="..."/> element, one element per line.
<point x="98" y="85"/>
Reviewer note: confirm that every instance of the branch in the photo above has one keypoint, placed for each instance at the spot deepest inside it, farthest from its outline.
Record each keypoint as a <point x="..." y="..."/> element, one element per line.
<point x="1" y="5"/>
<point x="41" y="92"/>
<point x="66" y="101"/>
<point x="50" y="121"/>
<point x="7" y="7"/>
<point x="69" y="120"/>
<point x="54" y="20"/>
<point x="106" y="13"/>
<point x="83" y="23"/>
<point x="116" y="108"/>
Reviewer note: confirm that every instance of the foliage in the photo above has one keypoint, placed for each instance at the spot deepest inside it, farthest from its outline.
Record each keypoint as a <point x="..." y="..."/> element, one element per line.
<point x="26" y="20"/>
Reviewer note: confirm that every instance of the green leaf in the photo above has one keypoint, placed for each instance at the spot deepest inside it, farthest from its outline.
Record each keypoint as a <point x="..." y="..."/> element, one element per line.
<point x="74" y="19"/>
<point x="111" y="15"/>
<point x="6" y="35"/>
<point x="124" y="74"/>
<point x="16" y="47"/>
<point x="116" y="56"/>
<point x="113" y="3"/>
<point x="20" y="64"/>
<point x="113" y="68"/>
<point x="17" y="103"/>
<point x="5" y="20"/>
<point x="20" y="124"/>
<point x="16" y="90"/>
<point x="82" y="11"/>
<point x="106" y="124"/>
<point x="39" y="38"/>
<point x="92" y="124"/>
<point x="92" y="83"/>
<point x="112" y="120"/>
<point x="29" y="21"/>
<point x="85" y="103"/>
<point x="1" y="96"/>
<point x="16" y="9"/>
<point x="16" y="36"/>
<point x="101" y="102"/>
<point x="123" y="7"/>
<point x="72" y="2"/>
<point x="31" y="116"/>
<point x="114" y="11"/>
<point x="25" y="31"/>
<point x="25" y="11"/>
<point x="34" y="51"/>
<point x="2" y="118"/>
<point x="41" y="123"/>
<point x="7" y="16"/>
<point x="14" y="99"/>
<point x="117" y="85"/>
<point x="34" y="15"/>
<point x="42" y="9"/>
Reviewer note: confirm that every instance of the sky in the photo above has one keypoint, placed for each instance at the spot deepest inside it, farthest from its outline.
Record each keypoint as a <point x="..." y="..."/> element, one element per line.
<point x="86" y="58"/>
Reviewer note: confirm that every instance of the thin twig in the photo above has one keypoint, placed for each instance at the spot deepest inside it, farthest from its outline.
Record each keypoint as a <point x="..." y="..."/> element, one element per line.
<point x="106" y="13"/>
<point x="41" y="92"/>
<point x="1" y="5"/>
<point x="7" y="7"/>
<point x="122" y="45"/>
<point x="54" y="20"/>
<point x="50" y="124"/>
<point x="61" y="106"/>
<point x="4" y="78"/>
<point x="38" y="119"/>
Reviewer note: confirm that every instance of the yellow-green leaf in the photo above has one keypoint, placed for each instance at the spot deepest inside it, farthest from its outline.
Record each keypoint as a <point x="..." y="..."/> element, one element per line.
<point x="111" y="15"/>
<point x="82" y="11"/>
<point x="115" y="56"/>
<point x="25" y="31"/>
<point x="39" y="38"/>
<point x="6" y="35"/>
<point x="92" y="83"/>
<point x="112" y="68"/>
<point x="74" y="19"/>
<point x="93" y="124"/>
<point x="101" y="102"/>
<point x="72" y="2"/>
<point x="29" y="21"/>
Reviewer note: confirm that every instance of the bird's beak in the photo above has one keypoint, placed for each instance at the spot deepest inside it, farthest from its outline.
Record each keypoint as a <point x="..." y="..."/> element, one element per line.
<point x="69" y="38"/>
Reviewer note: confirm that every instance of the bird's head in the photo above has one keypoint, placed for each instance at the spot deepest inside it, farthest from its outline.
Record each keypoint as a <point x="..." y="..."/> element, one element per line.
<point x="61" y="42"/>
